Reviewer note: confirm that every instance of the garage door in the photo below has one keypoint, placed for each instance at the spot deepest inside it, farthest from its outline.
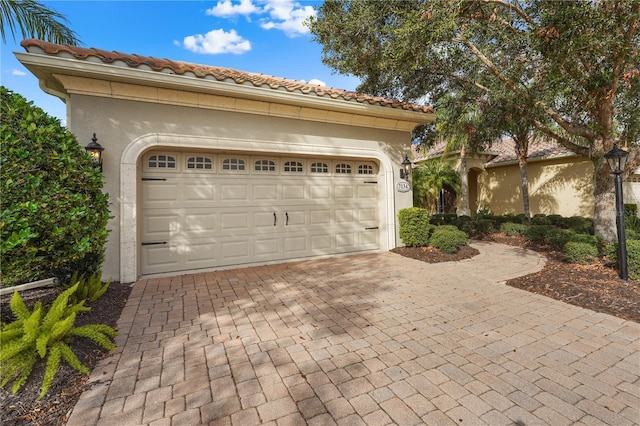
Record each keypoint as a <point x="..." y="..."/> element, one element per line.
<point x="207" y="210"/>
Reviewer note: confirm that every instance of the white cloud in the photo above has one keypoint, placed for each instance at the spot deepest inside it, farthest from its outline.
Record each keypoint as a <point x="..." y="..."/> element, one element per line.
<point x="226" y="9"/>
<point x="287" y="16"/>
<point x="18" y="72"/>
<point x="317" y="82"/>
<point x="217" y="41"/>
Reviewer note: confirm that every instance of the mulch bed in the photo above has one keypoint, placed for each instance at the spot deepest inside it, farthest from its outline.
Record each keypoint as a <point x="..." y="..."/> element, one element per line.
<point x="596" y="287"/>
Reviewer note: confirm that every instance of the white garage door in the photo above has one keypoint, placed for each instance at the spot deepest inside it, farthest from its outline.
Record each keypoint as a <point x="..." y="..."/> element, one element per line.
<point x="202" y="210"/>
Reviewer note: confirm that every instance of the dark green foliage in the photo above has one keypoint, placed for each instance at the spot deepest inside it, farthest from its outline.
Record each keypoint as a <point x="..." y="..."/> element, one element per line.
<point x="465" y="223"/>
<point x="53" y="214"/>
<point x="582" y="253"/>
<point x="45" y="333"/>
<point x="513" y="229"/>
<point x="555" y="219"/>
<point x="579" y="224"/>
<point x="484" y="226"/>
<point x="558" y="237"/>
<point x="585" y="238"/>
<point x="537" y="232"/>
<point x="444" y="219"/>
<point x="632" y="223"/>
<point x="540" y="219"/>
<point x="633" y="257"/>
<point x="414" y="226"/>
<point x="448" y="240"/>
<point x="88" y="288"/>
<point x="631" y="209"/>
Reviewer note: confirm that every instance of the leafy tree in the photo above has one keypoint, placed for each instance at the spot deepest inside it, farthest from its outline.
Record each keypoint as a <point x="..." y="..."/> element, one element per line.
<point x="578" y="84"/>
<point x="34" y="20"/>
<point x="429" y="178"/>
<point x="53" y="213"/>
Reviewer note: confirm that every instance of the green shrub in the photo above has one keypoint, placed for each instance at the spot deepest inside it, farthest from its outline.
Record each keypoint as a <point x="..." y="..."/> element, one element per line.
<point x="558" y="237"/>
<point x="583" y="253"/>
<point x="40" y="334"/>
<point x="88" y="289"/>
<point x="632" y="224"/>
<point x="513" y="229"/>
<point x="537" y="232"/>
<point x="484" y="226"/>
<point x="579" y="224"/>
<point x="447" y="228"/>
<point x="556" y="220"/>
<point x="633" y="256"/>
<point x="540" y="219"/>
<point x="414" y="226"/>
<point x="443" y="219"/>
<point x="54" y="215"/>
<point x="631" y="209"/>
<point x="448" y="240"/>
<point x="585" y="238"/>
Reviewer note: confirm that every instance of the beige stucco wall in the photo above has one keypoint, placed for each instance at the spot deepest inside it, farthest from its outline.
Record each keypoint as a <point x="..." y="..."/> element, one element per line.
<point x="126" y="128"/>
<point x="561" y="186"/>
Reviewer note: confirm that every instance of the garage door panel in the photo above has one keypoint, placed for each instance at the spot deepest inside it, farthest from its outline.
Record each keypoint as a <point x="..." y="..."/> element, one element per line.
<point x="200" y="223"/>
<point x="232" y="221"/>
<point x="295" y="245"/>
<point x="366" y="192"/>
<point x="159" y="225"/>
<point x="265" y="192"/>
<point x="367" y="215"/>
<point x="320" y="217"/>
<point x="159" y="192"/>
<point x="320" y="192"/>
<point x="266" y="246"/>
<point x="346" y="240"/>
<point x="345" y="215"/>
<point x="293" y="192"/>
<point x="344" y="192"/>
<point x="234" y="192"/>
<point x="369" y="239"/>
<point x="231" y="250"/>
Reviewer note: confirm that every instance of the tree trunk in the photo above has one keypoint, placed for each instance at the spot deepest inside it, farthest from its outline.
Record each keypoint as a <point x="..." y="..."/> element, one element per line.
<point x="464" y="184"/>
<point x="524" y="186"/>
<point x="604" y="214"/>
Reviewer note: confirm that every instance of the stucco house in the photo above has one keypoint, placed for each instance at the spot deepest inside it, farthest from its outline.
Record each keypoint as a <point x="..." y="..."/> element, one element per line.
<point x="560" y="181"/>
<point x="210" y="167"/>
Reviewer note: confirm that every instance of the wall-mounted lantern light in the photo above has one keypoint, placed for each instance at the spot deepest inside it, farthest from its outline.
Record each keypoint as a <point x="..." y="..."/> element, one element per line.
<point x="94" y="149"/>
<point x="405" y="171"/>
<point x="617" y="159"/>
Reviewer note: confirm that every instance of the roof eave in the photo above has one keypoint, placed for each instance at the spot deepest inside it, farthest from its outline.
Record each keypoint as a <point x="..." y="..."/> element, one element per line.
<point x="45" y="66"/>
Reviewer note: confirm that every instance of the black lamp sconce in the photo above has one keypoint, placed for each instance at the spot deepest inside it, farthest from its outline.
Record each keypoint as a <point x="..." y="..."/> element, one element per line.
<point x="94" y="149"/>
<point x="405" y="171"/>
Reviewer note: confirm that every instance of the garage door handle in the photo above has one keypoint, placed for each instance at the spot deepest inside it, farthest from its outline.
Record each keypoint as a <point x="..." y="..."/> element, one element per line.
<point x="275" y="219"/>
<point x="148" y="178"/>
<point x="154" y="243"/>
<point x="371" y="227"/>
<point x="286" y="214"/>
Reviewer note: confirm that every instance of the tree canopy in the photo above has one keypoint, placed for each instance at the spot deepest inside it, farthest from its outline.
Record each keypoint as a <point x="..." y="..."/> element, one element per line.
<point x="570" y="68"/>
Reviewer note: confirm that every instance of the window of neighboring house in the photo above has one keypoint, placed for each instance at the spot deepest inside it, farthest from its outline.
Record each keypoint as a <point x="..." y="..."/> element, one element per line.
<point x="233" y="164"/>
<point x="293" y="167"/>
<point x="162" y="161"/>
<point x="343" y="168"/>
<point x="199" y="163"/>
<point x="264" y="166"/>
<point x="319" y="168"/>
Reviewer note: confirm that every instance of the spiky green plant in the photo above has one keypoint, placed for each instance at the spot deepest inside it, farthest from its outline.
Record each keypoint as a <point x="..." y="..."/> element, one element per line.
<point x="88" y="288"/>
<point x="45" y="333"/>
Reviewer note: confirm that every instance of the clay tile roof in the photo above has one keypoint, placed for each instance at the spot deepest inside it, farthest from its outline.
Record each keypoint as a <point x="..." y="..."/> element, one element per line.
<point x="503" y="151"/>
<point x="220" y="74"/>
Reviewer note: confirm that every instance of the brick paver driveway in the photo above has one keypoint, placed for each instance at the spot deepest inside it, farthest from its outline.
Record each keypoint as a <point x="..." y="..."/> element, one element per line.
<point x="370" y="339"/>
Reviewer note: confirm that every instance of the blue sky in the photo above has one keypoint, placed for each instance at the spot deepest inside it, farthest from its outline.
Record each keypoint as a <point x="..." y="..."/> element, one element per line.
<point x="263" y="36"/>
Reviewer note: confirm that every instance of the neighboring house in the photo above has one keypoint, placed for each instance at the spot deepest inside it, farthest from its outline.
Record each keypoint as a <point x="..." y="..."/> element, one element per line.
<point x="560" y="181"/>
<point x="210" y="167"/>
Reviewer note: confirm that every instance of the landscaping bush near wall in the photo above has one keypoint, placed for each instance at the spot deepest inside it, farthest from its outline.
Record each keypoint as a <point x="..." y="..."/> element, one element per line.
<point x="53" y="213"/>
<point x="414" y="226"/>
<point x="633" y="257"/>
<point x="577" y="252"/>
<point x="448" y="239"/>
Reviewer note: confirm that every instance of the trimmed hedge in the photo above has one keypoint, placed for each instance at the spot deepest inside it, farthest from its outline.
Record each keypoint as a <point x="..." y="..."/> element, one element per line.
<point x="448" y="240"/>
<point x="54" y="214"/>
<point x="513" y="229"/>
<point x="633" y="257"/>
<point x="582" y="253"/>
<point x="414" y="226"/>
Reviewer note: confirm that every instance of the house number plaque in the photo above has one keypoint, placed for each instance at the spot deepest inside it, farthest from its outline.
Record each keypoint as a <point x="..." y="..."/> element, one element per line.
<point x="403" y="186"/>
